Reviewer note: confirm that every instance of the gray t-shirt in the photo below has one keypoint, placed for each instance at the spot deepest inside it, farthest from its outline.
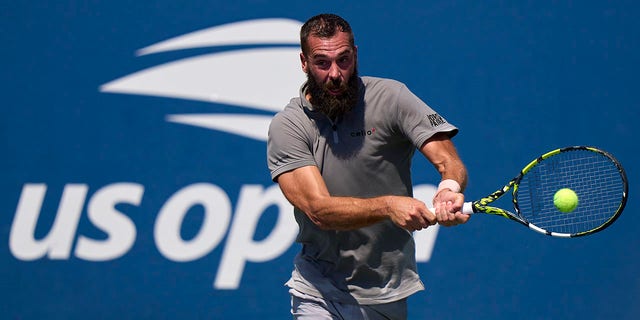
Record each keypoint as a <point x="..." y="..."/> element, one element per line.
<point x="365" y="153"/>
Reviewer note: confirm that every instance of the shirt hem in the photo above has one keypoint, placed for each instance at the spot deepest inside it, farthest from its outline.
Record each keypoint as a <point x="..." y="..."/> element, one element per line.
<point x="301" y="292"/>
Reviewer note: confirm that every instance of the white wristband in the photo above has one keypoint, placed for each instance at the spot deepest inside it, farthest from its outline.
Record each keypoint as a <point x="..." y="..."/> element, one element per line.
<point x="449" y="184"/>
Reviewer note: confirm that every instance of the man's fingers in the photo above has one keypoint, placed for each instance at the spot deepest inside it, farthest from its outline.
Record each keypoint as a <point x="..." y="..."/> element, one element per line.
<point x="448" y="214"/>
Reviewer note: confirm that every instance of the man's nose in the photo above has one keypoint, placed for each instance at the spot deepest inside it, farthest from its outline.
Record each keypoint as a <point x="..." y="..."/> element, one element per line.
<point x="334" y="71"/>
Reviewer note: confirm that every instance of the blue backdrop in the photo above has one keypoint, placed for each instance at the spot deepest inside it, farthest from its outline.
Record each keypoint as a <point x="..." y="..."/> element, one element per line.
<point x="134" y="183"/>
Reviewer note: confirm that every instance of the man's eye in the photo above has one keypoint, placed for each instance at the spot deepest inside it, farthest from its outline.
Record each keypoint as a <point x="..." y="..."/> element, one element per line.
<point x="322" y="64"/>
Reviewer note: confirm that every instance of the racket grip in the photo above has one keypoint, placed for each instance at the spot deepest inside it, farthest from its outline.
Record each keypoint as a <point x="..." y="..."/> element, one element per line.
<point x="467" y="208"/>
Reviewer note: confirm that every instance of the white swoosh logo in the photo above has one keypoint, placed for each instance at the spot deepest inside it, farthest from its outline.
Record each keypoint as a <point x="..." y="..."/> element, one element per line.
<point x="258" y="78"/>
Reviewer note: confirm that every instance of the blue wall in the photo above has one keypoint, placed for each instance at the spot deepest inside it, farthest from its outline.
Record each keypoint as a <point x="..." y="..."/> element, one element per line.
<point x="119" y="204"/>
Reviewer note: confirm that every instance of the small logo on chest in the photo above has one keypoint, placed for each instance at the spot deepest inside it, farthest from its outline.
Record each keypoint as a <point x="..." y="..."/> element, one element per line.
<point x="362" y="133"/>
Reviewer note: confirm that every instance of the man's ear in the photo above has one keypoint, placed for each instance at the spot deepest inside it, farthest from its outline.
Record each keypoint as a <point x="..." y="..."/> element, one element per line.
<point x="304" y="62"/>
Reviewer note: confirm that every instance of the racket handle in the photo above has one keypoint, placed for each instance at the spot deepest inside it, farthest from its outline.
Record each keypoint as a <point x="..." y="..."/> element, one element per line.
<point x="467" y="208"/>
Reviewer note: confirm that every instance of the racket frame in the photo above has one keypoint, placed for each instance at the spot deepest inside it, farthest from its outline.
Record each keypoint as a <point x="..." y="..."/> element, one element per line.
<point x="482" y="205"/>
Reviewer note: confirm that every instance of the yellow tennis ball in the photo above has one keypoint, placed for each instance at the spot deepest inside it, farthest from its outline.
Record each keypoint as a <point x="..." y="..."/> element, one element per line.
<point x="566" y="200"/>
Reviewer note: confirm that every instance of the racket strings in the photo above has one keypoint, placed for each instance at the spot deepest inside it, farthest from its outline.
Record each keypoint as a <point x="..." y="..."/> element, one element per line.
<point x="593" y="176"/>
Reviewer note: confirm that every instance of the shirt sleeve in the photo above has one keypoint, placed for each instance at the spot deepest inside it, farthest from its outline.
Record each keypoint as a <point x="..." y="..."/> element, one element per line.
<point x="418" y="121"/>
<point x="288" y="145"/>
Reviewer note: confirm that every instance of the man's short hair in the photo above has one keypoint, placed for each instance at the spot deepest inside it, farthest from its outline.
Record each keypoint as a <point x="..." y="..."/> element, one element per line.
<point x="324" y="25"/>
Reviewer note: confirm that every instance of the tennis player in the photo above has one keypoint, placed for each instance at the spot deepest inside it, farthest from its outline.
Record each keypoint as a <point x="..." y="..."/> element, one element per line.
<point x="341" y="153"/>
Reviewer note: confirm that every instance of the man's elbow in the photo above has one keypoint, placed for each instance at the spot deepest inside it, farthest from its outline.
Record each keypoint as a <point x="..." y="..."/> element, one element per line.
<point x="319" y="218"/>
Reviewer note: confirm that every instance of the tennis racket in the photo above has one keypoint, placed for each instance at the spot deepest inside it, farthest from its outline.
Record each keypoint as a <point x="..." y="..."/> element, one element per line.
<point x="596" y="176"/>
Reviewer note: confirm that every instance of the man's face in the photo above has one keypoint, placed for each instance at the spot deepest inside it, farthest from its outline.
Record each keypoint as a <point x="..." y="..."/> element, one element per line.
<point x="331" y="73"/>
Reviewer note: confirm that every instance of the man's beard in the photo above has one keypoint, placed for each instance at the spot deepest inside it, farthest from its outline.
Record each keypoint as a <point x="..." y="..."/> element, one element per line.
<point x="330" y="105"/>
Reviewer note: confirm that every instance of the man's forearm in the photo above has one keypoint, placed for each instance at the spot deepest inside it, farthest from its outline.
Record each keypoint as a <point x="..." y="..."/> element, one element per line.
<point x="346" y="213"/>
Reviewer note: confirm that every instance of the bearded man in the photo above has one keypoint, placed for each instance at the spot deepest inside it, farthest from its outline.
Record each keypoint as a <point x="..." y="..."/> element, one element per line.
<point x="341" y="153"/>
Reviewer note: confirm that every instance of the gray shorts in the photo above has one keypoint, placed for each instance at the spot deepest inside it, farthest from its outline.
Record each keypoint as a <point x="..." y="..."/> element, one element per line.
<point x="306" y="307"/>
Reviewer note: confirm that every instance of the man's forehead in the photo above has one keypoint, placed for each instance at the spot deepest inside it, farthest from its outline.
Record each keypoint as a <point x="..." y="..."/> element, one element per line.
<point x="330" y="46"/>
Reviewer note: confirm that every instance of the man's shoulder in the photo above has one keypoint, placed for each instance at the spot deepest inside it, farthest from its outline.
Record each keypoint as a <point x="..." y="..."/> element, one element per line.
<point x="293" y="107"/>
<point x="380" y="81"/>
<point x="293" y="112"/>
<point x="373" y="85"/>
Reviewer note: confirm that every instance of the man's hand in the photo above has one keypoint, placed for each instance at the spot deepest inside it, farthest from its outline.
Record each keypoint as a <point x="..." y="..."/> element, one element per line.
<point x="448" y="208"/>
<point x="410" y="213"/>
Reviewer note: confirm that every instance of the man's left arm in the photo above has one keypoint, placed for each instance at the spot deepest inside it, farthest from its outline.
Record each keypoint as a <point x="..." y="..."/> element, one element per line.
<point x="448" y="200"/>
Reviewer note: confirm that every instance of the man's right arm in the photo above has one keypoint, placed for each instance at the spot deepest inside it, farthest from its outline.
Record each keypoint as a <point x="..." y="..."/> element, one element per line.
<point x="304" y="187"/>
